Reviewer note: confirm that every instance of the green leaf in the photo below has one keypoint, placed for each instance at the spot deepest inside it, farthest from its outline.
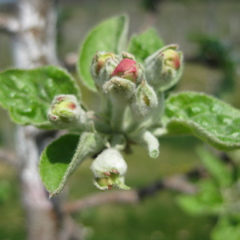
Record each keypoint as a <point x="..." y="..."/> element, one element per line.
<point x="215" y="167"/>
<point x="207" y="201"/>
<point x="108" y="36"/>
<point x="145" y="44"/>
<point x="63" y="156"/>
<point x="205" y="117"/>
<point x="226" y="228"/>
<point x="27" y="94"/>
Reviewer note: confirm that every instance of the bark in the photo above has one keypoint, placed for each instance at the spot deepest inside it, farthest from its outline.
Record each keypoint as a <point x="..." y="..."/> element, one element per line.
<point x="35" y="42"/>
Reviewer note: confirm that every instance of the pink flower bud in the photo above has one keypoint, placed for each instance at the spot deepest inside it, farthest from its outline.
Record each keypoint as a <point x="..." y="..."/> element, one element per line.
<point x="128" y="69"/>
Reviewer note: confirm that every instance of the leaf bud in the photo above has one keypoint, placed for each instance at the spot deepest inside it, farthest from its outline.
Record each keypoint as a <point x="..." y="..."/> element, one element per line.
<point x="109" y="169"/>
<point x="164" y="68"/>
<point x="66" y="112"/>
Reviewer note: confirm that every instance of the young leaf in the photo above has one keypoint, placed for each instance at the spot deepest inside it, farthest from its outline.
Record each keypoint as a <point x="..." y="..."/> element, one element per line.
<point x="205" y="117"/>
<point x="145" y="44"/>
<point x="63" y="156"/>
<point x="207" y="201"/>
<point x="27" y="94"/>
<point x="215" y="167"/>
<point x="108" y="36"/>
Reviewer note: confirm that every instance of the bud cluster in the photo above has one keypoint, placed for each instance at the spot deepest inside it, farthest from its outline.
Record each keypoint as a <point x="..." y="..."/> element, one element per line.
<point x="134" y="93"/>
<point x="132" y="104"/>
<point x="127" y="83"/>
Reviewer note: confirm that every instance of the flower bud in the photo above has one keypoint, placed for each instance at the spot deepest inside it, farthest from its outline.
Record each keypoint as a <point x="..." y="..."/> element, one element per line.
<point x="65" y="112"/>
<point x="102" y="66"/>
<point x="119" y="88"/>
<point x="171" y="59"/>
<point x="144" y="101"/>
<point x="129" y="69"/>
<point x="109" y="169"/>
<point x="164" y="68"/>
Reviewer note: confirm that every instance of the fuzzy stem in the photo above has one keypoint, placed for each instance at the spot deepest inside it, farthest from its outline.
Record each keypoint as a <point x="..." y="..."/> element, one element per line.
<point x="159" y="132"/>
<point x="151" y="143"/>
<point x="118" y="110"/>
<point x="148" y="140"/>
<point x="105" y="104"/>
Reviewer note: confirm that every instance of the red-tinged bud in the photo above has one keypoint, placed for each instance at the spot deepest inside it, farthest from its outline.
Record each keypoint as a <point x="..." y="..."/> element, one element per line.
<point x="102" y="66"/>
<point x="171" y="58"/>
<point x="66" y="112"/>
<point x="128" y="69"/>
<point x="100" y="59"/>
<point x="164" y="68"/>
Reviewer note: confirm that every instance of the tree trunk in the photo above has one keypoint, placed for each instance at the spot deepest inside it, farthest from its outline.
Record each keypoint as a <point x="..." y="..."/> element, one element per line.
<point x="35" y="45"/>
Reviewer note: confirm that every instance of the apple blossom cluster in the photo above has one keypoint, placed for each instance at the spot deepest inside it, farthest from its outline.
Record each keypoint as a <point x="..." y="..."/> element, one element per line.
<point x="132" y="103"/>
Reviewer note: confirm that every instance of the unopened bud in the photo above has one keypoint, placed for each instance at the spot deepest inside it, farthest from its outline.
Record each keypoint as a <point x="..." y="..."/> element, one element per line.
<point x="120" y="88"/>
<point x="66" y="112"/>
<point x="144" y="101"/>
<point x="163" y="69"/>
<point x="129" y="69"/>
<point x="109" y="169"/>
<point x="102" y="66"/>
<point x="171" y="59"/>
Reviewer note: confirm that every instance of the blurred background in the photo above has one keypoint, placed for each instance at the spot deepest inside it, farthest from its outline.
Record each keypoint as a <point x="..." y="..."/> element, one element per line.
<point x="208" y="33"/>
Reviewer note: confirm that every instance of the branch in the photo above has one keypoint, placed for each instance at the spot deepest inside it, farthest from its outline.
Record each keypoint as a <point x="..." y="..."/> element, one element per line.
<point x="8" y="23"/>
<point x="177" y="183"/>
<point x="93" y="200"/>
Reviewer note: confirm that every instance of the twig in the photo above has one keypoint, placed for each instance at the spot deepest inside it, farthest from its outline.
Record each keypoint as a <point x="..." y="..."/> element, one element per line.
<point x="93" y="200"/>
<point x="177" y="183"/>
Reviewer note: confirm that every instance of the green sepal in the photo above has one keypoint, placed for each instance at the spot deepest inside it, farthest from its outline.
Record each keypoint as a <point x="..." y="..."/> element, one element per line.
<point x="145" y="44"/>
<point x="63" y="156"/>
<point x="108" y="36"/>
<point x="28" y="94"/>
<point x="205" y="117"/>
